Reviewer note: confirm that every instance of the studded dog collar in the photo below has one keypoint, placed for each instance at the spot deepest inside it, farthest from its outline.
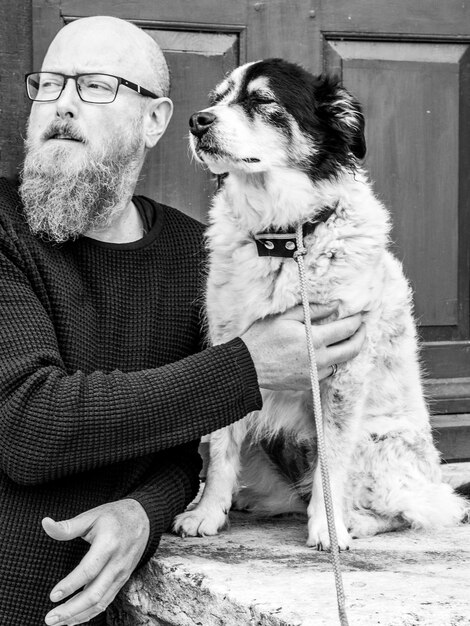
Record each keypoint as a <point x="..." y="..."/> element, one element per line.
<point x="282" y="243"/>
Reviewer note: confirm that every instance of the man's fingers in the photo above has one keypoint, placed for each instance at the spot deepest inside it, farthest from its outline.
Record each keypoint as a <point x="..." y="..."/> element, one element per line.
<point x="348" y="348"/>
<point x="70" y="617"/>
<point x="87" y="570"/>
<point x="337" y="331"/>
<point x="98" y="592"/>
<point x="92" y="600"/>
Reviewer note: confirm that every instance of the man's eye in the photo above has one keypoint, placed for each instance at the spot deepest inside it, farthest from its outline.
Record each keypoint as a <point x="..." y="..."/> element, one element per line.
<point x="98" y="86"/>
<point x="50" y="84"/>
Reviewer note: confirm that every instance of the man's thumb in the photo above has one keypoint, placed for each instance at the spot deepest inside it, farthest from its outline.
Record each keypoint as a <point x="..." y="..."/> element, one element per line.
<point x="66" y="529"/>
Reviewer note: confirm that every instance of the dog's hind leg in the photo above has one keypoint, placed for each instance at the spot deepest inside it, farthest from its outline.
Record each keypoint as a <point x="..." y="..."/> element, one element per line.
<point x="397" y="477"/>
<point x="210" y="514"/>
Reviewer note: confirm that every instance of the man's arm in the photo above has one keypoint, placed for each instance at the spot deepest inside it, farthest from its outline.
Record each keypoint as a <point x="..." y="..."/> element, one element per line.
<point x="55" y="424"/>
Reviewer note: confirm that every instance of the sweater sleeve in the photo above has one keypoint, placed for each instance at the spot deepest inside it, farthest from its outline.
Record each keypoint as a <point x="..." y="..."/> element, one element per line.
<point x="54" y="424"/>
<point x="168" y="490"/>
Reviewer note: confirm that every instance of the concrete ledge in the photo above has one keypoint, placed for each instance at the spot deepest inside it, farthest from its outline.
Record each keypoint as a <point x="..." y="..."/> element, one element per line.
<point x="259" y="572"/>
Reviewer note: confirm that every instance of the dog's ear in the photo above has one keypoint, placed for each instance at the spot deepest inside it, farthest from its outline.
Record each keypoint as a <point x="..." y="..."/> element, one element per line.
<point x="344" y="113"/>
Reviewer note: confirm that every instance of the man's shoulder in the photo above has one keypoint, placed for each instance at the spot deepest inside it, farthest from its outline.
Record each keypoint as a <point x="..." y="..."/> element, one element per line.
<point x="11" y="212"/>
<point x="16" y="239"/>
<point x="9" y="198"/>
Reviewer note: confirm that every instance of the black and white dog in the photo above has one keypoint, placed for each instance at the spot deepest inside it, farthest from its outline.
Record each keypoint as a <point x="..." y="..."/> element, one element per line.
<point x="291" y="145"/>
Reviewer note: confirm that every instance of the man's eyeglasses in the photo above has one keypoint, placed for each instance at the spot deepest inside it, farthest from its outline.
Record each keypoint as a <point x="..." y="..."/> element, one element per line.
<point x="94" y="88"/>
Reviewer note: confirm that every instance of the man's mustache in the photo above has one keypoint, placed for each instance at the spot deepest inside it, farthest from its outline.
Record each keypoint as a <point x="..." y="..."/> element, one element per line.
<point x="63" y="130"/>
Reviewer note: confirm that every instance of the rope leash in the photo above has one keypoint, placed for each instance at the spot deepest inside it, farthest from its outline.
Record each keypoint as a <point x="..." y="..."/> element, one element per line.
<point x="315" y="384"/>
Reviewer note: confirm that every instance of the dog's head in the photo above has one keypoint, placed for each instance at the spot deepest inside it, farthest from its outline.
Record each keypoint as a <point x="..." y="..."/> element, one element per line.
<point x="272" y="114"/>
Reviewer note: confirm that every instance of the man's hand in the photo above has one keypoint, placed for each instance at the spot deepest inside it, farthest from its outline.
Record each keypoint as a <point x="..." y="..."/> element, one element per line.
<point x="278" y="345"/>
<point x="118" y="533"/>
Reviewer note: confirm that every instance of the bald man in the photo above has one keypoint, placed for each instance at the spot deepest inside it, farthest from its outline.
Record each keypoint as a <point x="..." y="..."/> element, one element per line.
<point x="105" y="387"/>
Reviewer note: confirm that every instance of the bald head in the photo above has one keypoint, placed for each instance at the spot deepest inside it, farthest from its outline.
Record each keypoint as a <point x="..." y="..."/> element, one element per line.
<point x="113" y="46"/>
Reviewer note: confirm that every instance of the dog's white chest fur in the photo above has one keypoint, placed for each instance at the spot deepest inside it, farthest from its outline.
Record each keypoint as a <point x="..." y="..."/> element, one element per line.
<point x="346" y="256"/>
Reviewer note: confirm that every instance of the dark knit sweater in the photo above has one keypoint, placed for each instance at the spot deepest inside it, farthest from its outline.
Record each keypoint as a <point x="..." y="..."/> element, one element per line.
<point x="104" y="389"/>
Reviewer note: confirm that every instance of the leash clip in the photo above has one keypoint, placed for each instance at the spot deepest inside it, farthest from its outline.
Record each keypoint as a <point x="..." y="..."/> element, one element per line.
<point x="301" y="249"/>
<point x="299" y="252"/>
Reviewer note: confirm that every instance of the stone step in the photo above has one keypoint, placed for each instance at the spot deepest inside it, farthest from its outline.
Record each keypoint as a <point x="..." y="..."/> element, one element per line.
<point x="260" y="573"/>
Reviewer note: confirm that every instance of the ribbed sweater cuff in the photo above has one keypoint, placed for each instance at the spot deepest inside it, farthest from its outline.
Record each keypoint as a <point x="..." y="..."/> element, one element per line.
<point x="154" y="508"/>
<point x="170" y="494"/>
<point x="244" y="362"/>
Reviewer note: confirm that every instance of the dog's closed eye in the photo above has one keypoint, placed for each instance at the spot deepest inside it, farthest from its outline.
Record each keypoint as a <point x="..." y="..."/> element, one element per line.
<point x="261" y="99"/>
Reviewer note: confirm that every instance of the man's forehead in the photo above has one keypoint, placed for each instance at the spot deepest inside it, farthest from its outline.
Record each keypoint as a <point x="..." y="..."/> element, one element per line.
<point x="94" y="48"/>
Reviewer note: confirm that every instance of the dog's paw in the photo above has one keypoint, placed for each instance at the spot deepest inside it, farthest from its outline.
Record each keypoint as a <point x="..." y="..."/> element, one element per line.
<point x="319" y="538"/>
<point x="199" y="522"/>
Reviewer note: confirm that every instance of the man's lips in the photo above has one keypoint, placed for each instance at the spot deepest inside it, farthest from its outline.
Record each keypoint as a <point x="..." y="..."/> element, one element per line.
<point x="67" y="137"/>
<point x="63" y="132"/>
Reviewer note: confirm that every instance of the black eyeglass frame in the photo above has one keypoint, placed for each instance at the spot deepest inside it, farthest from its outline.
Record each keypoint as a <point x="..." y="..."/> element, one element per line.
<point x="121" y="81"/>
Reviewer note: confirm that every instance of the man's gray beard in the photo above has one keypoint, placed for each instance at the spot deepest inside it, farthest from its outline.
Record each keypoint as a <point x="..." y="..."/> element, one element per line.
<point x="63" y="200"/>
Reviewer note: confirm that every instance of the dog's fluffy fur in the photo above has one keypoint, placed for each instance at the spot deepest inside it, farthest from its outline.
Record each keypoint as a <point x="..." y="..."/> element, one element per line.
<point x="291" y="144"/>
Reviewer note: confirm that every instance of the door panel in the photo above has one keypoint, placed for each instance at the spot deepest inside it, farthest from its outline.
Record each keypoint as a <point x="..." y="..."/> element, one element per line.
<point x="196" y="61"/>
<point x="398" y="18"/>
<point x="277" y="28"/>
<point x="414" y="96"/>
<point x="203" y="12"/>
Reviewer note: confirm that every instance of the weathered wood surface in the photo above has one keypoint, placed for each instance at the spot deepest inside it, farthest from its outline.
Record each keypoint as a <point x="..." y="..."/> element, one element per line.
<point x="15" y="61"/>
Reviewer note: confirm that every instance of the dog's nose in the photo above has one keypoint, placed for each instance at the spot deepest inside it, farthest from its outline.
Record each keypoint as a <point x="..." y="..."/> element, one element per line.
<point x="199" y="123"/>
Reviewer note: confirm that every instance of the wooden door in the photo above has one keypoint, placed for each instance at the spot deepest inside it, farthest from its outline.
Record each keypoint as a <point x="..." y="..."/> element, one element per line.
<point x="409" y="64"/>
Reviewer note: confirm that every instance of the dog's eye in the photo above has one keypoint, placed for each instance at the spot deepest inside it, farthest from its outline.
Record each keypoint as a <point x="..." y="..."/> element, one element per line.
<point x="260" y="99"/>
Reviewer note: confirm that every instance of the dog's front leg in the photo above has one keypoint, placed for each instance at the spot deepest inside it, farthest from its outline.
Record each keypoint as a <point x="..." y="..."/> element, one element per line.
<point x="341" y="424"/>
<point x="210" y="514"/>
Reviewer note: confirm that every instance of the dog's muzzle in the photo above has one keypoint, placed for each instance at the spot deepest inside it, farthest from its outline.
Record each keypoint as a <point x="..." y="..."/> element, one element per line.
<point x="200" y="122"/>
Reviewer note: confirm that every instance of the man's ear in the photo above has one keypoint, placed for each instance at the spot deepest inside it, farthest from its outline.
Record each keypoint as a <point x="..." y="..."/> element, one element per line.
<point x="156" y="119"/>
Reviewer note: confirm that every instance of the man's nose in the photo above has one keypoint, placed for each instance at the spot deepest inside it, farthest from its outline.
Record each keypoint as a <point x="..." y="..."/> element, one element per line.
<point x="199" y="123"/>
<point x="68" y="99"/>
